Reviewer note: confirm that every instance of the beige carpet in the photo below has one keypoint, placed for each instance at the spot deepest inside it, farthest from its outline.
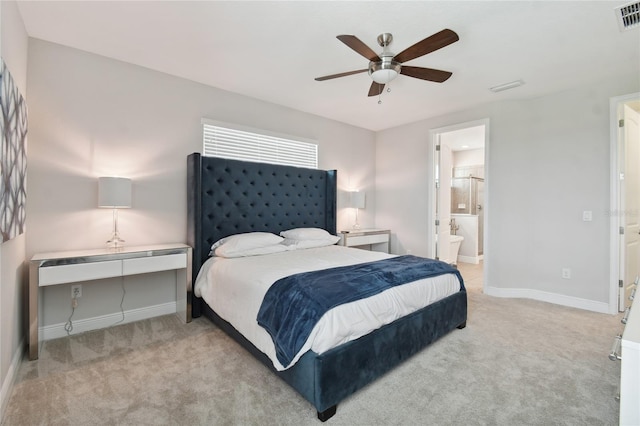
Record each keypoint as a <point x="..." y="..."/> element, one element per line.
<point x="518" y="362"/>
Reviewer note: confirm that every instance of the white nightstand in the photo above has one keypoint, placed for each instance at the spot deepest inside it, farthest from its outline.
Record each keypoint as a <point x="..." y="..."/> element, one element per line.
<point x="375" y="239"/>
<point x="86" y="265"/>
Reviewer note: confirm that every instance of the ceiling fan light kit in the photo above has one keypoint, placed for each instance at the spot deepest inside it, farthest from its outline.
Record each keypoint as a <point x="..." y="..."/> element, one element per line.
<point x="383" y="72"/>
<point x="385" y="67"/>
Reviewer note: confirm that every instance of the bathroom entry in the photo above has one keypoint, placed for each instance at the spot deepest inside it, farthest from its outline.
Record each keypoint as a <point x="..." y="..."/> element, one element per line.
<point x="459" y="205"/>
<point x="467" y="203"/>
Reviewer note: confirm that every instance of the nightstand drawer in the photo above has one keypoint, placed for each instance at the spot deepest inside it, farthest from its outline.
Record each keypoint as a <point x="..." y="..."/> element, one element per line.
<point x="143" y="265"/>
<point x="362" y="240"/>
<point x="50" y="275"/>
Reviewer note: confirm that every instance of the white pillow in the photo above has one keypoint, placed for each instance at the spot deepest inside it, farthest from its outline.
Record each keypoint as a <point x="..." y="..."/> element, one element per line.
<point x="229" y="254"/>
<point x="304" y="244"/>
<point x="306" y="234"/>
<point x="243" y="242"/>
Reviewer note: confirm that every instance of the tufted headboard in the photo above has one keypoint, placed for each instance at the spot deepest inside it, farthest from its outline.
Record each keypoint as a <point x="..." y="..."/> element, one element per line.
<point x="226" y="197"/>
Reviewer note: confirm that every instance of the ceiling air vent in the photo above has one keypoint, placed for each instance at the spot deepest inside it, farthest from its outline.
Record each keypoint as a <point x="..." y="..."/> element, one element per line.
<point x="628" y="16"/>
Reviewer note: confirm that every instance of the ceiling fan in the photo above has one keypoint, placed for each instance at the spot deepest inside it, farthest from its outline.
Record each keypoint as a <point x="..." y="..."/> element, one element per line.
<point x="385" y="67"/>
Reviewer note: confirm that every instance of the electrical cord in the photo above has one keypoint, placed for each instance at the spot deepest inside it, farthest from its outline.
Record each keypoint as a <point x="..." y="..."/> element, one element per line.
<point x="68" y="327"/>
<point x="124" y="292"/>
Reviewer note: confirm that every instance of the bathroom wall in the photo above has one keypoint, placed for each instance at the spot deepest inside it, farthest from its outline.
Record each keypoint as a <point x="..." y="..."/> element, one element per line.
<point x="469" y="157"/>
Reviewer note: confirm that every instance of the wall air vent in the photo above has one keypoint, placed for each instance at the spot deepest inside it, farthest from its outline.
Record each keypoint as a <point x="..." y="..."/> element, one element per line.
<point x="628" y="16"/>
<point x="506" y="86"/>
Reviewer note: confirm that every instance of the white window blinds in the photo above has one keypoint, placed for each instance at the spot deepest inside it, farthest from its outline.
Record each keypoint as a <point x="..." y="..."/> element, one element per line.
<point x="220" y="140"/>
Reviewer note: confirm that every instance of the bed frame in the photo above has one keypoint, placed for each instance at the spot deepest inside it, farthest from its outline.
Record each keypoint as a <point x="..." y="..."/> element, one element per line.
<point x="228" y="197"/>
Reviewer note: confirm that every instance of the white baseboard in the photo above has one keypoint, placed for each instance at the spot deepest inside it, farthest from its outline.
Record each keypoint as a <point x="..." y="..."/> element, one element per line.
<point x="10" y="378"/>
<point x="55" y="331"/>
<point x="558" y="299"/>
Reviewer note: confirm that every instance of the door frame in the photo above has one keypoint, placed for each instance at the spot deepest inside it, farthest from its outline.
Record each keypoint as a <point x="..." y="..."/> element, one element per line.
<point x="432" y="193"/>
<point x="615" y="107"/>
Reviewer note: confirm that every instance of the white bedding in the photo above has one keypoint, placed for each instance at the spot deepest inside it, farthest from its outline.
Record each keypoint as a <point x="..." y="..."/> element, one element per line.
<point x="234" y="289"/>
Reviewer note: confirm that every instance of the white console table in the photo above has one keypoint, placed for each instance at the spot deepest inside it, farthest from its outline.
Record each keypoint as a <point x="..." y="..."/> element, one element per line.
<point x="47" y="269"/>
<point x="367" y="237"/>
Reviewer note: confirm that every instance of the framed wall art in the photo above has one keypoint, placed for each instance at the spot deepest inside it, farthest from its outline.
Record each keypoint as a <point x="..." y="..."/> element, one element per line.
<point x="13" y="156"/>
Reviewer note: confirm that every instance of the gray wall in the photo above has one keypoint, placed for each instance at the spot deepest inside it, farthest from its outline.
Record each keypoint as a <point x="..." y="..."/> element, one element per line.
<point x="548" y="160"/>
<point x="91" y="116"/>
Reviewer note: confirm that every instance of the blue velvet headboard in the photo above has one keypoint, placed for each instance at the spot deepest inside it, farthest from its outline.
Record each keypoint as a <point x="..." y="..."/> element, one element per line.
<point x="226" y="197"/>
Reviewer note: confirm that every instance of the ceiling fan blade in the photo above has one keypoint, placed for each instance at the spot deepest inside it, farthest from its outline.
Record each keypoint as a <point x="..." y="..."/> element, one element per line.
<point x="428" y="45"/>
<point x="359" y="47"/>
<point x="342" y="74"/>
<point x="426" y="73"/>
<point x="375" y="89"/>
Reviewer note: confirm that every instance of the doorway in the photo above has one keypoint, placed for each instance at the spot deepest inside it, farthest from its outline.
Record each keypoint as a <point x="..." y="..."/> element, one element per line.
<point x="458" y="213"/>
<point x="625" y="199"/>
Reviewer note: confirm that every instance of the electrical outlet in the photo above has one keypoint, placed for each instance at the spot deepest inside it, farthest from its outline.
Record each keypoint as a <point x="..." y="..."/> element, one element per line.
<point x="566" y="273"/>
<point x="76" y="291"/>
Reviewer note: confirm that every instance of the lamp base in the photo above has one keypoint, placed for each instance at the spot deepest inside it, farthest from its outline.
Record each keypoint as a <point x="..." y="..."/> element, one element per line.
<point x="115" y="242"/>
<point x="356" y="224"/>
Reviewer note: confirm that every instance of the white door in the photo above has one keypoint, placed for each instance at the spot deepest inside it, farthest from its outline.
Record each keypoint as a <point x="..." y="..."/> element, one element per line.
<point x="630" y="204"/>
<point x="443" y="213"/>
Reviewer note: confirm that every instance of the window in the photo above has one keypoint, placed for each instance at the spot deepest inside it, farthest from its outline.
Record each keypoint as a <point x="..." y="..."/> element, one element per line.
<point x="234" y="142"/>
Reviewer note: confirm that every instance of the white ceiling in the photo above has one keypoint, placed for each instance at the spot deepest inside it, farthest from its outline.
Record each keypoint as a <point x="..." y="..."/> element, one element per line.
<point x="274" y="50"/>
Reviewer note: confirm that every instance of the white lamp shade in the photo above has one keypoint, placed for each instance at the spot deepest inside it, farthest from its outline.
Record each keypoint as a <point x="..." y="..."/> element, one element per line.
<point x="114" y="192"/>
<point x="356" y="199"/>
<point x="384" y="76"/>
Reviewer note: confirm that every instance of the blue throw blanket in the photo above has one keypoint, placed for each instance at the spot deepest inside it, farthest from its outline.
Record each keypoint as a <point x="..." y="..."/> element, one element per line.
<point x="293" y="305"/>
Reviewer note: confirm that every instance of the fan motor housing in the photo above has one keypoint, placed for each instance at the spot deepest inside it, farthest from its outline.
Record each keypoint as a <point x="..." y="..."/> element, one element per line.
<point x="385" y="70"/>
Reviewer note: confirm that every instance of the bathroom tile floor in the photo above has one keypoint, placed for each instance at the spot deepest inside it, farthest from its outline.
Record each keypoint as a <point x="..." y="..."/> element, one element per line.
<point x="472" y="275"/>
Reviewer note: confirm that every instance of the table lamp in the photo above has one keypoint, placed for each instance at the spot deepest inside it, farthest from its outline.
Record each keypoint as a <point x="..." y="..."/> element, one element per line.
<point x="114" y="193"/>
<point x="356" y="201"/>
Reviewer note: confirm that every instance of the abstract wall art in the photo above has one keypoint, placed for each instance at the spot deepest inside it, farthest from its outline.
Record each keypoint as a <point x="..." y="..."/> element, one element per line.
<point x="13" y="156"/>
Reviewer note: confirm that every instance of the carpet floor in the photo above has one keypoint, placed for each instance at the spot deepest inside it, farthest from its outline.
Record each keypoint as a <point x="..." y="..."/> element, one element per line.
<point x="518" y="362"/>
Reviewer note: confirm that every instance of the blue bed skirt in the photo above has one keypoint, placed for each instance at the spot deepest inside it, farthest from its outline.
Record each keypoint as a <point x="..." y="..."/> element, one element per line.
<point x="326" y="379"/>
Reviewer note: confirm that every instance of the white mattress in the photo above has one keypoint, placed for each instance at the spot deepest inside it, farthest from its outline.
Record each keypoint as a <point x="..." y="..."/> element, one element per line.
<point x="235" y="288"/>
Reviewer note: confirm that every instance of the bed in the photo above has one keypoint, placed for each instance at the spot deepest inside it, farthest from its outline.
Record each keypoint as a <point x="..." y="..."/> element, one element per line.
<point x="228" y="197"/>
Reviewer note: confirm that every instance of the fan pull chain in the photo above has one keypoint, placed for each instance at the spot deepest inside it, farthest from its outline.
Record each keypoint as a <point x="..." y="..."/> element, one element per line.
<point x="380" y="94"/>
